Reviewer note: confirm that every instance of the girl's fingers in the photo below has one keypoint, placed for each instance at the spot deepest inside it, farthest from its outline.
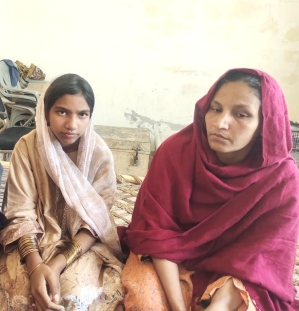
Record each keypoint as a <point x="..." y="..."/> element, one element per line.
<point x="30" y="300"/>
<point x="53" y="307"/>
<point x="35" y="307"/>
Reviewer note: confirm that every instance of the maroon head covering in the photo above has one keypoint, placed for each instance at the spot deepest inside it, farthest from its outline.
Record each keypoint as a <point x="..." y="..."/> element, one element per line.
<point x="239" y="220"/>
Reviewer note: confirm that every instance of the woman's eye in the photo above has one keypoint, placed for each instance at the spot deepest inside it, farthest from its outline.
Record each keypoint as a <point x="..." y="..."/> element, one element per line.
<point x="216" y="109"/>
<point x="62" y="113"/>
<point x="242" y="115"/>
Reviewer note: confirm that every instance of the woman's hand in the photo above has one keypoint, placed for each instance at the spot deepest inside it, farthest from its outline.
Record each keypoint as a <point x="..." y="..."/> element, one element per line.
<point x="168" y="273"/>
<point x="45" y="288"/>
<point x="226" y="298"/>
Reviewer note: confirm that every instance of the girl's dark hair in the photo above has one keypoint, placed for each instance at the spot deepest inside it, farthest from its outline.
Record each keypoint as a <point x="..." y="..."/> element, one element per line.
<point x="71" y="84"/>
<point x="250" y="79"/>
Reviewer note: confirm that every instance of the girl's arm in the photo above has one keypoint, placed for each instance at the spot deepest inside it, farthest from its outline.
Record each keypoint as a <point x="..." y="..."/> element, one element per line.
<point x="47" y="298"/>
<point x="168" y="273"/>
<point x="41" y="275"/>
<point x="85" y="238"/>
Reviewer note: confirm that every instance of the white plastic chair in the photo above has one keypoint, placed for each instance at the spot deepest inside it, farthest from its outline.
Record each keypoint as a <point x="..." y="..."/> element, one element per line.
<point x="21" y="103"/>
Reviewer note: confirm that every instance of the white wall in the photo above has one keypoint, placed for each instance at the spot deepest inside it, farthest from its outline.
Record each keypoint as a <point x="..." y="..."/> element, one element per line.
<point x="150" y="60"/>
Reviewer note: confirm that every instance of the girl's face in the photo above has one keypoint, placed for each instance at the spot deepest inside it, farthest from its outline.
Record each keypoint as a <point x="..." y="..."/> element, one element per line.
<point x="68" y="119"/>
<point x="233" y="121"/>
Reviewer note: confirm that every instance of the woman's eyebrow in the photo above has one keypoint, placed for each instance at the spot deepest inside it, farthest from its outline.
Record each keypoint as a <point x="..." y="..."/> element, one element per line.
<point x="215" y="102"/>
<point x="243" y="106"/>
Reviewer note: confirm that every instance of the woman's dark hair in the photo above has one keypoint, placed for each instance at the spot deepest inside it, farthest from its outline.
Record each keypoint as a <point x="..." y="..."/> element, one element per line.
<point x="71" y="84"/>
<point x="248" y="78"/>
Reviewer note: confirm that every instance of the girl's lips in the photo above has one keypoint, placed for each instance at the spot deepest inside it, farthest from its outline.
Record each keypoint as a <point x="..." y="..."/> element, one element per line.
<point x="69" y="135"/>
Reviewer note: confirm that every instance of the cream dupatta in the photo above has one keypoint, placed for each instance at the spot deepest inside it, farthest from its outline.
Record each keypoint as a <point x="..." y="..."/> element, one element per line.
<point x="84" y="202"/>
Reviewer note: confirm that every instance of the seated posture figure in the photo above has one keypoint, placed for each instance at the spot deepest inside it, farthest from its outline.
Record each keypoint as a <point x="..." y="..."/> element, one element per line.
<point x="215" y="224"/>
<point x="61" y="247"/>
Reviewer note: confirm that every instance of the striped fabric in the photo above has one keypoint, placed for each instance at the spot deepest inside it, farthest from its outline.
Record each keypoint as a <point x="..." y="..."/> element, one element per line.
<point x="5" y="166"/>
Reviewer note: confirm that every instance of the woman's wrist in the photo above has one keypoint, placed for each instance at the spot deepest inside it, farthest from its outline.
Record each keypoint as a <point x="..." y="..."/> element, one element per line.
<point x="218" y="305"/>
<point x="226" y="298"/>
<point x="168" y="273"/>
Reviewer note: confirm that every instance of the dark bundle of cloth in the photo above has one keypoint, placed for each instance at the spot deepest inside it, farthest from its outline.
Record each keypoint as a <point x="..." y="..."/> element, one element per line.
<point x="3" y="221"/>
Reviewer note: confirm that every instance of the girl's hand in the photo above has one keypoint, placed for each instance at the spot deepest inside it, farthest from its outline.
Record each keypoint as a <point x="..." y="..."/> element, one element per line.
<point x="45" y="289"/>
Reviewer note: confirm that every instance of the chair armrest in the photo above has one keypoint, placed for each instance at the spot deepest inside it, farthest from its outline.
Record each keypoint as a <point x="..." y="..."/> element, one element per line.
<point x="3" y="112"/>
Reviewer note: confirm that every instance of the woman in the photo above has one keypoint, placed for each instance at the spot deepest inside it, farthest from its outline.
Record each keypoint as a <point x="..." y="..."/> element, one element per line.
<point x="61" y="245"/>
<point x="217" y="213"/>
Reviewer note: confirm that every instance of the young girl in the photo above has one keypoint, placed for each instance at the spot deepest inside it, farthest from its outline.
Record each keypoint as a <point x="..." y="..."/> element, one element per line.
<point x="61" y="247"/>
<point x="218" y="212"/>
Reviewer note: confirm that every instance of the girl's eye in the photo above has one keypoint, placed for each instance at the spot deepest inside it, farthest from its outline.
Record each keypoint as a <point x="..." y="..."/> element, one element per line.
<point x="83" y="114"/>
<point x="61" y="112"/>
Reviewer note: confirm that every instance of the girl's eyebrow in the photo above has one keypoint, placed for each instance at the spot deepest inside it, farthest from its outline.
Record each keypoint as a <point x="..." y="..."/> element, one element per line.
<point x="67" y="110"/>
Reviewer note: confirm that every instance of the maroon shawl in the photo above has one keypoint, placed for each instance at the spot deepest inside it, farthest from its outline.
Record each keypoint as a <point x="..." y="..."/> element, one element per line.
<point x="239" y="220"/>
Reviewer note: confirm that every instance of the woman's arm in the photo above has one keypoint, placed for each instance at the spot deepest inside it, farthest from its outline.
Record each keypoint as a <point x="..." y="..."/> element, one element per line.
<point x="168" y="273"/>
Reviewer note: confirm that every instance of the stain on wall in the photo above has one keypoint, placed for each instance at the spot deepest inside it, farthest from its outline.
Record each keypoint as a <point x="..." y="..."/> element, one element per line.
<point x="270" y="25"/>
<point x="292" y="34"/>
<point x="291" y="79"/>
<point x="243" y="9"/>
<point x="160" y="17"/>
<point x="292" y="56"/>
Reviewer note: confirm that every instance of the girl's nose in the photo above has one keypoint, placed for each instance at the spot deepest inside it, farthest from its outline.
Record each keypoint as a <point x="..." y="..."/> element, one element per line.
<point x="71" y="123"/>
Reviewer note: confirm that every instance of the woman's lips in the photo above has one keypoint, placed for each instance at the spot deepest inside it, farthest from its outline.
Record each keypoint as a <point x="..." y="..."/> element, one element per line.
<point x="219" y="136"/>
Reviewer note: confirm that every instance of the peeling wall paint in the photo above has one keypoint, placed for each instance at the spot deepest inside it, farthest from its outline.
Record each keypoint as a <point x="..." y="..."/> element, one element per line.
<point x="155" y="127"/>
<point x="159" y="130"/>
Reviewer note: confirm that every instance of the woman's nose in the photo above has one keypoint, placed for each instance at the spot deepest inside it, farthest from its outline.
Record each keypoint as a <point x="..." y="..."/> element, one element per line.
<point x="223" y="121"/>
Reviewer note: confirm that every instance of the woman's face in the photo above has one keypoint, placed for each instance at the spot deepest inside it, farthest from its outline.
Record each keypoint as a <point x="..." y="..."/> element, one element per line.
<point x="233" y="121"/>
<point x="68" y="119"/>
